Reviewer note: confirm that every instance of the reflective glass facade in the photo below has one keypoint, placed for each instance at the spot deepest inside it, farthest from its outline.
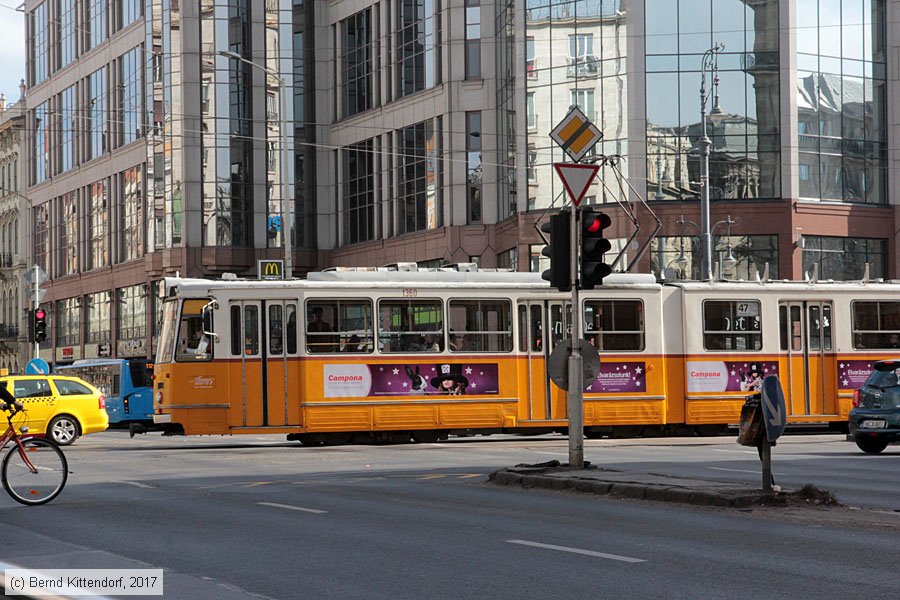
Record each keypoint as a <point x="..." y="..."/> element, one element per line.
<point x="745" y="154"/>
<point x="575" y="55"/>
<point x="841" y="115"/>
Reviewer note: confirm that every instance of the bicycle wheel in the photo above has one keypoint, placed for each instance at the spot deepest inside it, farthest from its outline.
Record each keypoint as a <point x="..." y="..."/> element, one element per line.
<point x="30" y="487"/>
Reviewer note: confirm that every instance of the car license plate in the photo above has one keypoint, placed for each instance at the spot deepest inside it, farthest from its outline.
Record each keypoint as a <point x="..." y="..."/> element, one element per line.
<point x="873" y="424"/>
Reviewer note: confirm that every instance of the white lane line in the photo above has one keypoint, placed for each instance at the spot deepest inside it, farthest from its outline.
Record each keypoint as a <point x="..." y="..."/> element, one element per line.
<point x="137" y="484"/>
<point x="733" y="470"/>
<point x="290" y="507"/>
<point x="578" y="551"/>
<point x="734" y="451"/>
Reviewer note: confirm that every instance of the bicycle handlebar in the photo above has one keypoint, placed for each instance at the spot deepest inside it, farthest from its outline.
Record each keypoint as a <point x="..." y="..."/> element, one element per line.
<point x="13" y="407"/>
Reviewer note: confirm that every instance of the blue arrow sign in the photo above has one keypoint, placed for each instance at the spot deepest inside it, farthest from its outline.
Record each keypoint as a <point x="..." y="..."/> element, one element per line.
<point x="773" y="407"/>
<point x="37" y="366"/>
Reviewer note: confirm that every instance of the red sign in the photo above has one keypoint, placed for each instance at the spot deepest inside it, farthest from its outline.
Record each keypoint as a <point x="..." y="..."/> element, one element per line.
<point x="68" y="352"/>
<point x="576" y="178"/>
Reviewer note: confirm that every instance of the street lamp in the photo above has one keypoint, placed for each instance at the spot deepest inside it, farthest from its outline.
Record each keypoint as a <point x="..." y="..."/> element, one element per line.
<point x="682" y="258"/>
<point x="287" y="226"/>
<point x="728" y="260"/>
<point x="710" y="62"/>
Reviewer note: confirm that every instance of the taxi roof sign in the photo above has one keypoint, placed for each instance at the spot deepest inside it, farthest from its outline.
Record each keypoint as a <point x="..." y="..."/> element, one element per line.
<point x="576" y="134"/>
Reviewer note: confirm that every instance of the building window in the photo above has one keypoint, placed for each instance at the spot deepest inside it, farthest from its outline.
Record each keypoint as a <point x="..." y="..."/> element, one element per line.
<point x="508" y="259"/>
<point x="299" y="82"/>
<point x="131" y="99"/>
<point x="96" y="22"/>
<point x="132" y="311"/>
<point x="417" y="178"/>
<point x="131" y="11"/>
<point x="530" y="115"/>
<point x="358" y="214"/>
<point x="537" y="263"/>
<point x="97" y="138"/>
<point x="41" y="145"/>
<point x="745" y="155"/>
<point x="131" y="214"/>
<point x="582" y="61"/>
<point x="530" y="58"/>
<point x="473" y="39"/>
<point x="841" y="95"/>
<point x="67" y="226"/>
<point x="844" y="259"/>
<point x="99" y="217"/>
<point x="68" y="322"/>
<point x="678" y="257"/>
<point x="40" y="43"/>
<point x="418" y="38"/>
<point x="67" y="17"/>
<point x="356" y="66"/>
<point x="41" y="215"/>
<point x="584" y="99"/>
<point x="97" y="327"/>
<point x="473" y="166"/>
<point x="67" y="129"/>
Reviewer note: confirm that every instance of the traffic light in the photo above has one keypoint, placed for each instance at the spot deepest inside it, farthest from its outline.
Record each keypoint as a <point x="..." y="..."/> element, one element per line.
<point x="559" y="250"/>
<point x="593" y="246"/>
<point x="40" y="324"/>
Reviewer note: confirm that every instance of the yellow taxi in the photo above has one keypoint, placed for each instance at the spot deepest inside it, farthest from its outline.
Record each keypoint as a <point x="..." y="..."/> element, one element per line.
<point x="63" y="408"/>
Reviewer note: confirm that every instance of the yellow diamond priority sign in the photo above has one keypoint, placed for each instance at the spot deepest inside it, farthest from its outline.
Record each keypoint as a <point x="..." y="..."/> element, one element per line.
<point x="576" y="134"/>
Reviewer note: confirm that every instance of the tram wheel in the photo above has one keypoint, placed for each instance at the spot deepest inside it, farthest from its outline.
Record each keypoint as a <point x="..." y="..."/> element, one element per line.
<point x="308" y="439"/>
<point x="426" y="436"/>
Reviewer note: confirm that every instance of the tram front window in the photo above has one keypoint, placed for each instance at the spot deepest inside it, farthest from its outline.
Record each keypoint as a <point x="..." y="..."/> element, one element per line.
<point x="193" y="344"/>
<point x="167" y="332"/>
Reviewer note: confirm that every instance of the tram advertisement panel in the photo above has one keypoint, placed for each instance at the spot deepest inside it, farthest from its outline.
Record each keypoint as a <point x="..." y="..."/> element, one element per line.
<point x="355" y="380"/>
<point x="619" y="377"/>
<point x="728" y="376"/>
<point x="852" y="374"/>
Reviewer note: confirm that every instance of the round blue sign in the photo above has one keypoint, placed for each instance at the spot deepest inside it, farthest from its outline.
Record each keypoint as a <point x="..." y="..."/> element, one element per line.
<point x="37" y="366"/>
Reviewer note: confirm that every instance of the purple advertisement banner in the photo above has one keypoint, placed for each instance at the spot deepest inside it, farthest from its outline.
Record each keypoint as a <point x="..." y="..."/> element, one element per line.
<point x="356" y="380"/>
<point x="728" y="376"/>
<point x="852" y="374"/>
<point x="620" y="377"/>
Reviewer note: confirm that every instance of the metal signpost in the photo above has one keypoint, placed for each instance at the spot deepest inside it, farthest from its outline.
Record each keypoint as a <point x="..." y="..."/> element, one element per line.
<point x="576" y="135"/>
<point x="774" y="413"/>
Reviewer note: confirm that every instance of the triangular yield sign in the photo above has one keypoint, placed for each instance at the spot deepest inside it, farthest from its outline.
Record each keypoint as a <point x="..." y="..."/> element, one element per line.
<point x="576" y="178"/>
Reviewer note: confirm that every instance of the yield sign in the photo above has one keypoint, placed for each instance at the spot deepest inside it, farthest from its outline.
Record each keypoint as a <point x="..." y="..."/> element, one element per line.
<point x="576" y="178"/>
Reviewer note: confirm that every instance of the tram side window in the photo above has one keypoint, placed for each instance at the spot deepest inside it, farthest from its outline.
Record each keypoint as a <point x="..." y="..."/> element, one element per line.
<point x="732" y="325"/>
<point x="615" y="324"/>
<point x="244" y="340"/>
<point x="480" y="325"/>
<point x="193" y="345"/>
<point x="339" y="326"/>
<point x="876" y="325"/>
<point x="276" y="329"/>
<point x="410" y="326"/>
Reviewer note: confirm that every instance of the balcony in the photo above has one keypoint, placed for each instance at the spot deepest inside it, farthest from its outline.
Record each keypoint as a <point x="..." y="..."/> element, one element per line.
<point x="583" y="66"/>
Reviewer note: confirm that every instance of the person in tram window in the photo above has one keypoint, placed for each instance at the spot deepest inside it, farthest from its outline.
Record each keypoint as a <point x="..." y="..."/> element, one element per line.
<point x="319" y="343"/>
<point x="894" y="341"/>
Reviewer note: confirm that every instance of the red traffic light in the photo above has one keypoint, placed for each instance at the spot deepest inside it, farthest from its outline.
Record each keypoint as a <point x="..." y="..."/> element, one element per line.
<point x="39" y="314"/>
<point x="596" y="222"/>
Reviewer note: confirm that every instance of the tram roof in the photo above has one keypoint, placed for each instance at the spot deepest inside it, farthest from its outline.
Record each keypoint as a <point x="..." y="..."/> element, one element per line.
<point x="785" y="285"/>
<point x="433" y="278"/>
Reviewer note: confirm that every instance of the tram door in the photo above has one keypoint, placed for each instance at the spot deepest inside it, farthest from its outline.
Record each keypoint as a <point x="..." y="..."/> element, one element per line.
<point x="806" y="337"/>
<point x="544" y="324"/>
<point x="264" y="336"/>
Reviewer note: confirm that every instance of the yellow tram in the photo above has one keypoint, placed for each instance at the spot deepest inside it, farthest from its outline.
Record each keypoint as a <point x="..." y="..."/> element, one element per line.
<point x="363" y="354"/>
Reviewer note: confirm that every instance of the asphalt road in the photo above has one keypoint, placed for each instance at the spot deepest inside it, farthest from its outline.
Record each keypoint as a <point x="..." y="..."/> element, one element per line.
<point x="256" y="517"/>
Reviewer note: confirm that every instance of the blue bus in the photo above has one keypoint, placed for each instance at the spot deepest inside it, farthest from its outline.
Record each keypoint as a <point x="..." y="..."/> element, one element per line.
<point x="127" y="385"/>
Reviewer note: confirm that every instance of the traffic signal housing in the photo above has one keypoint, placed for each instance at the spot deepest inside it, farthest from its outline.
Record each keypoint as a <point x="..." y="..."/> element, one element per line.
<point x="593" y="247"/>
<point x="40" y="324"/>
<point x="559" y="251"/>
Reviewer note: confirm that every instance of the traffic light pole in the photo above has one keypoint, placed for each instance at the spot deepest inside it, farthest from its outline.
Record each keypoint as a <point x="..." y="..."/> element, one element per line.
<point x="37" y="303"/>
<point x="575" y="393"/>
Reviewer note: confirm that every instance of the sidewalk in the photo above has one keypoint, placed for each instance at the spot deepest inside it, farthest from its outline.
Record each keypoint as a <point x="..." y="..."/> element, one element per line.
<point x="647" y="486"/>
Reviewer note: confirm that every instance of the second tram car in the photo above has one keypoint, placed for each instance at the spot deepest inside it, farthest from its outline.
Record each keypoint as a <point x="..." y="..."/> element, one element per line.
<point x="418" y="354"/>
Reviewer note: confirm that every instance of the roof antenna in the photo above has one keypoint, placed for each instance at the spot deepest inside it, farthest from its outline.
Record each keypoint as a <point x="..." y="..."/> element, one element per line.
<point x="865" y="278"/>
<point x="765" y="276"/>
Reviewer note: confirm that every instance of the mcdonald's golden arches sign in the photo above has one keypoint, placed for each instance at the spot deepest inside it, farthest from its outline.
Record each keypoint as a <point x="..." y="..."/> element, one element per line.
<point x="270" y="269"/>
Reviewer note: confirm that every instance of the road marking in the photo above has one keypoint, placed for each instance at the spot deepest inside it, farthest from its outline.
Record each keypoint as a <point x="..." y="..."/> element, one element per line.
<point x="258" y="483"/>
<point x="734" y="451"/>
<point x="470" y="476"/>
<point x="290" y="507"/>
<point x="578" y="551"/>
<point x="733" y="470"/>
<point x="423" y="477"/>
<point x="137" y="484"/>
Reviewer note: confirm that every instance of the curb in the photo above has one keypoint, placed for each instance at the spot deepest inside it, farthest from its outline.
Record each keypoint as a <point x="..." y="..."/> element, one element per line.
<point x="641" y="491"/>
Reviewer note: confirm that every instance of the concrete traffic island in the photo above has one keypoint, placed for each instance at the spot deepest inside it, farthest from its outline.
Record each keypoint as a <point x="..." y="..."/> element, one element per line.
<point x="647" y="486"/>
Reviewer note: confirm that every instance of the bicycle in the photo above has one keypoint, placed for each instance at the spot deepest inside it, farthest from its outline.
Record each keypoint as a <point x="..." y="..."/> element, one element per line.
<point x="34" y="470"/>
